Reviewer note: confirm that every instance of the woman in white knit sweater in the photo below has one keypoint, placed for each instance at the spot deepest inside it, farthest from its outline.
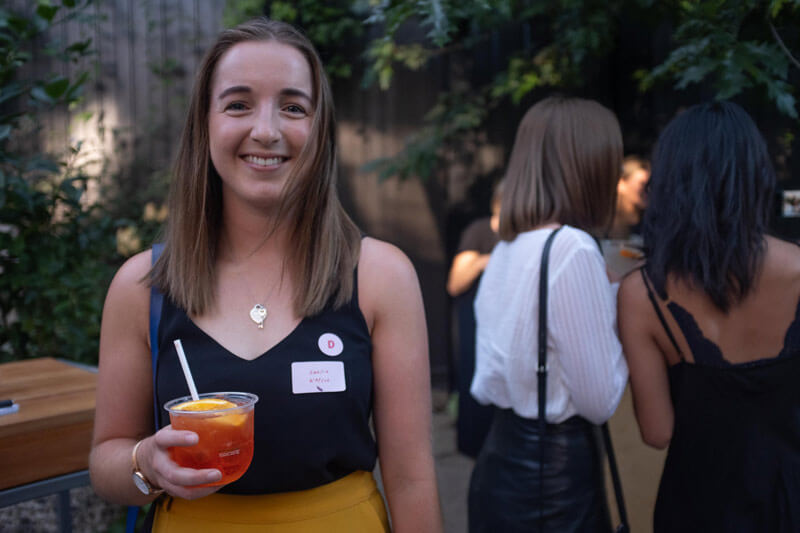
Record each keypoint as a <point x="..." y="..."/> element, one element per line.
<point x="562" y="174"/>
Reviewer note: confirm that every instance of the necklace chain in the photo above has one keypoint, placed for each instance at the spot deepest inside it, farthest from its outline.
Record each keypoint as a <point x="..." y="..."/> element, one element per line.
<point x="258" y="313"/>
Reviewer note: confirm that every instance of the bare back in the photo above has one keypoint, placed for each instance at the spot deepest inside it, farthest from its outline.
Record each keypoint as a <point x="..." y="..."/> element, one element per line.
<point x="753" y="329"/>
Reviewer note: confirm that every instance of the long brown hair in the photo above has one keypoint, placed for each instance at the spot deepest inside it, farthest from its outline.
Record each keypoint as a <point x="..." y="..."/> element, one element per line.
<point x="325" y="241"/>
<point x="564" y="167"/>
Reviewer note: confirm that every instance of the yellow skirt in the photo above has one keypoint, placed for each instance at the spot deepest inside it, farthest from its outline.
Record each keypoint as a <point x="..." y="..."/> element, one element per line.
<point x="348" y="505"/>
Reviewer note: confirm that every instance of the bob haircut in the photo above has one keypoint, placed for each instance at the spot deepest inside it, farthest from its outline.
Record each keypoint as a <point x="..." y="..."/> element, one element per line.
<point x="563" y="168"/>
<point x="710" y="198"/>
<point x="325" y="242"/>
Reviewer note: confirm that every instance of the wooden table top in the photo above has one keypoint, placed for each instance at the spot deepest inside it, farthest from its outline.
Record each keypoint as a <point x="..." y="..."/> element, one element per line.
<point x="49" y="393"/>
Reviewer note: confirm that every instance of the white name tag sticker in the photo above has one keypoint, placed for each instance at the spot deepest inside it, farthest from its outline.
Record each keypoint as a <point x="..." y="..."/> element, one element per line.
<point x="318" y="376"/>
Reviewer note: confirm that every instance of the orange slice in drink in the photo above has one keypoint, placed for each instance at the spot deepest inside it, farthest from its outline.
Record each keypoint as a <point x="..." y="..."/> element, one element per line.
<point x="206" y="404"/>
<point x="213" y="404"/>
<point x="631" y="254"/>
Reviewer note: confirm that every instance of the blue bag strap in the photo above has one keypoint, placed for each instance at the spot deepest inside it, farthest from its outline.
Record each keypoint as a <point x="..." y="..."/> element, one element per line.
<point x="156" y="299"/>
<point x="130" y="520"/>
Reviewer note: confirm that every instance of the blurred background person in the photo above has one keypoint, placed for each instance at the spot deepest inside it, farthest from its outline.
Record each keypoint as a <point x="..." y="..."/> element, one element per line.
<point x="631" y="197"/>
<point x="622" y="247"/>
<point x="711" y="331"/>
<point x="562" y="176"/>
<point x="477" y="241"/>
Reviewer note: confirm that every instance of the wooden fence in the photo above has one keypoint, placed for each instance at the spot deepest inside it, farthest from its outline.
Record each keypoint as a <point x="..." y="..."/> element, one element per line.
<point x="146" y="54"/>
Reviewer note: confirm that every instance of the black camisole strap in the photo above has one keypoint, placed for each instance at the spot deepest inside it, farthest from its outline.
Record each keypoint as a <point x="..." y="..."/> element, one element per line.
<point x="651" y="295"/>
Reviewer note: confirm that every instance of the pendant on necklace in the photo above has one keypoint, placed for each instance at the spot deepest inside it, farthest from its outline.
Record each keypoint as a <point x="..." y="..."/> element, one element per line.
<point x="258" y="314"/>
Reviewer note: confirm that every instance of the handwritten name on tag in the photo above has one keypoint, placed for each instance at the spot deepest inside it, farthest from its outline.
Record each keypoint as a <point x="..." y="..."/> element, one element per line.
<point x="318" y="376"/>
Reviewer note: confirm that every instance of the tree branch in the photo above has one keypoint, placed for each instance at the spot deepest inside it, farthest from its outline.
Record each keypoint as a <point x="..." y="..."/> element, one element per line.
<point x="782" y="45"/>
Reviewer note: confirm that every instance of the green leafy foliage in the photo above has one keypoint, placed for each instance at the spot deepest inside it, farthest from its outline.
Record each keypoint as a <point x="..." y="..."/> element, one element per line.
<point x="568" y="36"/>
<point x="57" y="253"/>
<point x="237" y="11"/>
<point x="456" y="116"/>
<point x="331" y="25"/>
<point x="58" y="259"/>
<point x="733" y="45"/>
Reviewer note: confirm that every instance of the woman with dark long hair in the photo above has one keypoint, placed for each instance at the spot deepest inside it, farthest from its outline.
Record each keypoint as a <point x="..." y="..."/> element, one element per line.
<point x="263" y="273"/>
<point x="711" y="331"/>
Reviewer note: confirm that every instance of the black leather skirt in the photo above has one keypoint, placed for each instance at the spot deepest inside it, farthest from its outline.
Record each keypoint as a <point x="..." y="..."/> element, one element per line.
<point x="504" y="491"/>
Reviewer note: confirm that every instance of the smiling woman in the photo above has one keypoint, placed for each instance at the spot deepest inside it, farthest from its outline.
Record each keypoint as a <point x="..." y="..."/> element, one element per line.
<point x="273" y="291"/>
<point x="259" y="121"/>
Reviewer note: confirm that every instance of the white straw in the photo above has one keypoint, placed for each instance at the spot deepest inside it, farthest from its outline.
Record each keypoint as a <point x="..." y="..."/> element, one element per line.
<point x="186" y="372"/>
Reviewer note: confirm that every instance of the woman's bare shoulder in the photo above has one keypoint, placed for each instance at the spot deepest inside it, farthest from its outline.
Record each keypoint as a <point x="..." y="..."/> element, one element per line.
<point x="384" y="272"/>
<point x="127" y="305"/>
<point x="382" y="260"/>
<point x="632" y="298"/>
<point x="134" y="270"/>
<point x="129" y="286"/>
<point x="632" y="286"/>
<point x="783" y="257"/>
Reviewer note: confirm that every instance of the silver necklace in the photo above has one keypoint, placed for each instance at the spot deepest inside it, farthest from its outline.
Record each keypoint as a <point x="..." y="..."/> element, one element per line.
<point x="258" y="314"/>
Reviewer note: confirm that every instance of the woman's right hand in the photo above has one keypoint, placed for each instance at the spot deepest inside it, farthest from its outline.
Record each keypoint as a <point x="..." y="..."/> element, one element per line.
<point x="158" y="467"/>
<point x="124" y="406"/>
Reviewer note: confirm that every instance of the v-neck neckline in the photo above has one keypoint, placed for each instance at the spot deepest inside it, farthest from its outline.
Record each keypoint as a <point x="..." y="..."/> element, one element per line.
<point x="240" y="358"/>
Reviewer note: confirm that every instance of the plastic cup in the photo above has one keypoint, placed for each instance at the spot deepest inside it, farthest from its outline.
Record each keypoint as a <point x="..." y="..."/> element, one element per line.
<point x="622" y="255"/>
<point x="225" y="433"/>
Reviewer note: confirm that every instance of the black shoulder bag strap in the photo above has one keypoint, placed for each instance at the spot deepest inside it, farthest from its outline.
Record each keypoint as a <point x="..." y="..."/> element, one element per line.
<point x="541" y="369"/>
<point x="541" y="373"/>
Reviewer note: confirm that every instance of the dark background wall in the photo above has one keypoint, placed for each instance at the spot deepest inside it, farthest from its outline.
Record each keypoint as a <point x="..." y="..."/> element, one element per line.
<point x="426" y="219"/>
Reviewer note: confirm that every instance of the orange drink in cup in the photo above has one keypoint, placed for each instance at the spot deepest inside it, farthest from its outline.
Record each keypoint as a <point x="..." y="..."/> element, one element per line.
<point x="223" y="422"/>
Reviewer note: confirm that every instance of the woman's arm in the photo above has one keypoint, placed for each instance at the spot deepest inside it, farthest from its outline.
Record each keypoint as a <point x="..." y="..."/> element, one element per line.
<point x="466" y="268"/>
<point x="582" y="313"/>
<point x="396" y="317"/>
<point x="647" y="364"/>
<point x="124" y="411"/>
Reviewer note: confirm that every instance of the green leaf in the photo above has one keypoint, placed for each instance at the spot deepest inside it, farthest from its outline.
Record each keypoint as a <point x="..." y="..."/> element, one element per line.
<point x="12" y="90"/>
<point x="786" y="104"/>
<point x="780" y="92"/>
<point x="38" y="93"/>
<point x="46" y="11"/>
<point x="694" y="74"/>
<point x="42" y="163"/>
<point x="56" y="88"/>
<point x="79" y="47"/>
<point x="775" y="7"/>
<point x="19" y="25"/>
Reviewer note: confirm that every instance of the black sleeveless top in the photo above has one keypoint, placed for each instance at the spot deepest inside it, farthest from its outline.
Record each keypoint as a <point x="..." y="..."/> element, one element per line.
<point x="733" y="463"/>
<point x="301" y="440"/>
